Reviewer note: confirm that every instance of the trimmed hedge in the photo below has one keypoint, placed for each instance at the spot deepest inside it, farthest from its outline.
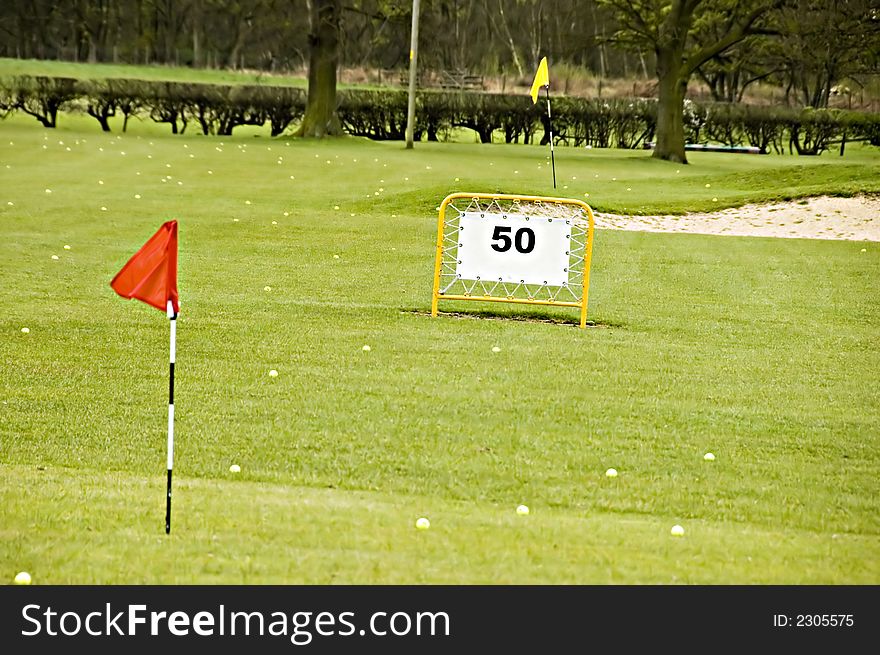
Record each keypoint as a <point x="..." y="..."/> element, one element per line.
<point x="381" y="114"/>
<point x="42" y="97"/>
<point x="216" y="109"/>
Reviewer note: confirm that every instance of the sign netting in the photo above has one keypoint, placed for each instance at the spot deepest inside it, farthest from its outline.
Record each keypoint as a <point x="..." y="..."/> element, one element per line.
<point x="518" y="249"/>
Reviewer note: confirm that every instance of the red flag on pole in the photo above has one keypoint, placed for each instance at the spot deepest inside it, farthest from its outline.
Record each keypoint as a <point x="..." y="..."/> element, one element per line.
<point x="151" y="274"/>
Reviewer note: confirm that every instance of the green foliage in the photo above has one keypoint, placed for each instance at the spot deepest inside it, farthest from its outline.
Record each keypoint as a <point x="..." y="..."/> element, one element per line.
<point x="484" y="113"/>
<point x="101" y="99"/>
<point x="281" y="106"/>
<point x="814" y="129"/>
<point x="167" y="102"/>
<point x="864" y="126"/>
<point x="765" y="127"/>
<point x="597" y="123"/>
<point x="42" y="97"/>
<point x="378" y="115"/>
<point x="8" y="98"/>
<point x="434" y="110"/>
<point x="220" y="109"/>
<point x="381" y="114"/>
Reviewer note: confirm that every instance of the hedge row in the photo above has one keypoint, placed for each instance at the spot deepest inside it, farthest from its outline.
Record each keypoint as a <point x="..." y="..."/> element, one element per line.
<point x="216" y="109"/>
<point x="381" y="114"/>
<point x="805" y="131"/>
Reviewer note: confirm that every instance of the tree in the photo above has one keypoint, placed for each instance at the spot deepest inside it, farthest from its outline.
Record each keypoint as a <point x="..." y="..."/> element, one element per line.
<point x="824" y="41"/>
<point x="730" y="73"/>
<point x="320" y="119"/>
<point x="669" y="28"/>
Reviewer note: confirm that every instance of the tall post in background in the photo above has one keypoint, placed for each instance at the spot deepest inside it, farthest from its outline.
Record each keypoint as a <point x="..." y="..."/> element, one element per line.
<point x="413" y="56"/>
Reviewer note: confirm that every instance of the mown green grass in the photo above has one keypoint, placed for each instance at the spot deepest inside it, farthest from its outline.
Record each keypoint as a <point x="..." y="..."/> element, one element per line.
<point x="104" y="531"/>
<point x="86" y="71"/>
<point x="610" y="180"/>
<point x="763" y="351"/>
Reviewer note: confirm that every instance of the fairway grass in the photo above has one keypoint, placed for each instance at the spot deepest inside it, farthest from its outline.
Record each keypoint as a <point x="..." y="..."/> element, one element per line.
<point x="243" y="532"/>
<point x="762" y="351"/>
<point x="84" y="71"/>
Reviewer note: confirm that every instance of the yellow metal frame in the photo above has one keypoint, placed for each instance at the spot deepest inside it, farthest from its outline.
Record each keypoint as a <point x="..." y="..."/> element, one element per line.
<point x="588" y="254"/>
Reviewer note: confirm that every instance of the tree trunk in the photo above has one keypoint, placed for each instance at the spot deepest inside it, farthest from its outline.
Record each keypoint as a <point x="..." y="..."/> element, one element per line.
<point x="644" y="65"/>
<point x="320" y="118"/>
<point x="197" y="19"/>
<point x="600" y="42"/>
<point x="510" y="43"/>
<point x="670" y="107"/>
<point x="102" y="114"/>
<point x="242" y="32"/>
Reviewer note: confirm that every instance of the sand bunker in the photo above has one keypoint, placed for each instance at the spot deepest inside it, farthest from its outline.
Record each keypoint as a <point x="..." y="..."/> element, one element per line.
<point x="824" y="217"/>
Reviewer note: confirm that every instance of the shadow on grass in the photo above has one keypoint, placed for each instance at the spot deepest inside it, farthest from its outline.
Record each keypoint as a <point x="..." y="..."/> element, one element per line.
<point x="530" y="316"/>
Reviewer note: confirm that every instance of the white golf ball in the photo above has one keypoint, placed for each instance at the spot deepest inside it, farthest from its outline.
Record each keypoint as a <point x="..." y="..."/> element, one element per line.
<point x="677" y="531"/>
<point x="709" y="457"/>
<point x="23" y="577"/>
<point x="273" y="373"/>
<point x="611" y="473"/>
<point x="522" y="510"/>
<point x="496" y="349"/>
<point x="423" y="523"/>
<point x="235" y="468"/>
<point x="25" y="330"/>
<point x="366" y="349"/>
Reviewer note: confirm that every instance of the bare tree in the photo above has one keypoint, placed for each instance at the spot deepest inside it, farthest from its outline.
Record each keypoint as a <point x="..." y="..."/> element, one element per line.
<point x="730" y="73"/>
<point x="824" y="41"/>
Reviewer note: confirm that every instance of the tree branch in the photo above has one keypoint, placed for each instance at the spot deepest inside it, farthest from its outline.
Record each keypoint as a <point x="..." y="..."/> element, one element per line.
<point x="363" y="12"/>
<point x="737" y="33"/>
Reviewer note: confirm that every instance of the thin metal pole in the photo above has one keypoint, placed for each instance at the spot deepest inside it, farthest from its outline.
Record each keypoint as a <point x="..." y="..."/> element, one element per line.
<point x="550" y="129"/>
<point x="413" y="56"/>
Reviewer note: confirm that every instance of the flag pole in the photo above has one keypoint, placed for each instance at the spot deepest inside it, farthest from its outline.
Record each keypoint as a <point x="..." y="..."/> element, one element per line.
<point x="150" y="276"/>
<point x="172" y="318"/>
<point x="550" y="129"/>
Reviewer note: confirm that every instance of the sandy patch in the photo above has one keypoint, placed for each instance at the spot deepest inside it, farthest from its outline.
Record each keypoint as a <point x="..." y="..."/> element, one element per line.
<point x="824" y="217"/>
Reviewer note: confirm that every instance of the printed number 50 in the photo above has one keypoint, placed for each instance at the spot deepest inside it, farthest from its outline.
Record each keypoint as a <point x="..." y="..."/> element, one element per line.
<point x="523" y="240"/>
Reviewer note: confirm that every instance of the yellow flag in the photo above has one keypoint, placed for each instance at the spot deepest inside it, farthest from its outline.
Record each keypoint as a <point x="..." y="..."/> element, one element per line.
<point x="542" y="78"/>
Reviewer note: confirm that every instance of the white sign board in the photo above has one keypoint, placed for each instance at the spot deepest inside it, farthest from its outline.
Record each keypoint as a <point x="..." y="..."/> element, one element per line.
<point x="513" y="248"/>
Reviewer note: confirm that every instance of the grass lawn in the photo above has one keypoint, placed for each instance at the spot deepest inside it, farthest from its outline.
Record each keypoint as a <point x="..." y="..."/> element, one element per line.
<point x="762" y="351"/>
<point x="81" y="70"/>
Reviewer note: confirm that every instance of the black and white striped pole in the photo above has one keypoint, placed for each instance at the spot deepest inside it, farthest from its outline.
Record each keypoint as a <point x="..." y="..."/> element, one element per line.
<point x="172" y="318"/>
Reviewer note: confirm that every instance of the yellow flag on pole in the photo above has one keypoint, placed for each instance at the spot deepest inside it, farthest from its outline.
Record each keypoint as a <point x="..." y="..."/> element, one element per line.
<point x="542" y="78"/>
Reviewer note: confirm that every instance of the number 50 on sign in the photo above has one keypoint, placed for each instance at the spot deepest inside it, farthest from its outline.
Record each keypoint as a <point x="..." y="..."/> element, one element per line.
<point x="520" y="249"/>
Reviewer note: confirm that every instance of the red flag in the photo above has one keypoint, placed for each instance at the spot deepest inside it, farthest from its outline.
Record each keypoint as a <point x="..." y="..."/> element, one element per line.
<point x="151" y="274"/>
